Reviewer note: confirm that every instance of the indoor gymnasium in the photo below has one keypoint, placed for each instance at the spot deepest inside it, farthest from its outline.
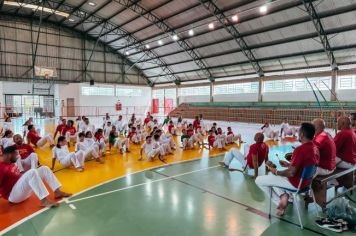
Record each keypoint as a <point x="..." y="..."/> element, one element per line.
<point x="177" y="117"/>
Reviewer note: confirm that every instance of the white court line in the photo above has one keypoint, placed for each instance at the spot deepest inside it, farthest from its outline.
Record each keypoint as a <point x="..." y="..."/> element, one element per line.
<point x="138" y="185"/>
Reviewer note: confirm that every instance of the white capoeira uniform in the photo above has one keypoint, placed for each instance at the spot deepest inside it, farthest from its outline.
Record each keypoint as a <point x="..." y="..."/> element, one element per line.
<point x="107" y="130"/>
<point x="86" y="127"/>
<point x="88" y="149"/>
<point x="167" y="139"/>
<point x="152" y="150"/>
<point x="150" y="124"/>
<point x="121" y="143"/>
<point x="121" y="126"/>
<point x="101" y="144"/>
<point x="30" y="162"/>
<point x="187" y="143"/>
<point x="141" y="134"/>
<point x="234" y="153"/>
<point x="343" y="164"/>
<point x="7" y="142"/>
<point x="220" y="140"/>
<point x="7" y="126"/>
<point x="67" y="158"/>
<point x="135" y="138"/>
<point x="268" y="182"/>
<point x="32" y="182"/>
<point x="268" y="131"/>
<point x="287" y="130"/>
<point x="48" y="138"/>
<point x="232" y="138"/>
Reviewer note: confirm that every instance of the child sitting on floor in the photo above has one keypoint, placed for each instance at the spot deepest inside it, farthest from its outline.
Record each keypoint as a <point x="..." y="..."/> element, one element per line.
<point x="151" y="150"/>
<point x="231" y="137"/>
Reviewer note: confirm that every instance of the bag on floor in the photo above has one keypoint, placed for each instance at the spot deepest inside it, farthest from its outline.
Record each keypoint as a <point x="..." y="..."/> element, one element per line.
<point x="342" y="209"/>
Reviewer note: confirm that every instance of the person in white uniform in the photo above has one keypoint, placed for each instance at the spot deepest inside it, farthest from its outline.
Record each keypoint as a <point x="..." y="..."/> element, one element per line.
<point x="286" y="130"/>
<point x="151" y="149"/>
<point x="120" y="125"/>
<point x="7" y="140"/>
<point x="269" y="132"/>
<point x="27" y="159"/>
<point x="66" y="158"/>
<point x="90" y="150"/>
<point x="24" y="185"/>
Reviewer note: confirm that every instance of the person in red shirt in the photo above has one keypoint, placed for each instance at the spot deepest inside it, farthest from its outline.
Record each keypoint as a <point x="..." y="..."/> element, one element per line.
<point x="196" y="123"/>
<point x="231" y="137"/>
<point x="70" y="132"/>
<point x="327" y="149"/>
<point x="27" y="159"/>
<point x="132" y="135"/>
<point x="171" y="128"/>
<point x="60" y="128"/>
<point x="16" y="187"/>
<point x="345" y="141"/>
<point x="305" y="155"/>
<point x="252" y="157"/>
<point x="34" y="138"/>
<point x="100" y="140"/>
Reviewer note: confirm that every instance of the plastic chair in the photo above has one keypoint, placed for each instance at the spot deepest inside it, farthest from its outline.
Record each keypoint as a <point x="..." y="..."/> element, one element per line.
<point x="307" y="174"/>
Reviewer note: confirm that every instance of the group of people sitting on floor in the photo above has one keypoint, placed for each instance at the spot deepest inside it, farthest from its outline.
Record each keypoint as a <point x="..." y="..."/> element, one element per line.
<point x="20" y="174"/>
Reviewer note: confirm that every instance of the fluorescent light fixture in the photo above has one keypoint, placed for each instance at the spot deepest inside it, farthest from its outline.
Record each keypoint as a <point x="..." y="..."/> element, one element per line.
<point x="71" y="19"/>
<point x="36" y="8"/>
<point x="147" y="46"/>
<point x="211" y="26"/>
<point x="93" y="4"/>
<point x="263" y="9"/>
<point x="175" y="37"/>
<point x="127" y="53"/>
<point x="160" y="42"/>
<point x="235" y="18"/>
<point x="191" y="32"/>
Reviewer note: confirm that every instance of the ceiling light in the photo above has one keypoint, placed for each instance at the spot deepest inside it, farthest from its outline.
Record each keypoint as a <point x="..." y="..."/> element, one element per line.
<point x="36" y="8"/>
<point x="235" y="18"/>
<point x="191" y="32"/>
<point x="147" y="46"/>
<point x="93" y="4"/>
<point x="175" y="37"/>
<point x="71" y="19"/>
<point x="211" y="26"/>
<point x="160" y="42"/>
<point x="127" y="53"/>
<point x="263" y="9"/>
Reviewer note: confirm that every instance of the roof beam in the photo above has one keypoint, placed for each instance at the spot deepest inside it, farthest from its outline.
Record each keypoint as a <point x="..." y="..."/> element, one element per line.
<point x="321" y="32"/>
<point x="167" y="30"/>
<point x="341" y="10"/>
<point x="232" y="30"/>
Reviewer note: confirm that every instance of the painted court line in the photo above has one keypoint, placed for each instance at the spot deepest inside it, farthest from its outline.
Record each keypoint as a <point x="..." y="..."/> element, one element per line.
<point x="138" y="185"/>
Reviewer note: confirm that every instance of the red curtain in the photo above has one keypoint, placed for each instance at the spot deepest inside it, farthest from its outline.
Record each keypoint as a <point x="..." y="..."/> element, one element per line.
<point x="155" y="106"/>
<point x="168" y="105"/>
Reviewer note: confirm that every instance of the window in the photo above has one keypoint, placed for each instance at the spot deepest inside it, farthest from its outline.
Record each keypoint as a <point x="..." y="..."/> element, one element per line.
<point x="129" y="92"/>
<point x="347" y="82"/>
<point x="236" y="88"/>
<point x="98" y="91"/>
<point x="290" y="85"/>
<point x="194" y="91"/>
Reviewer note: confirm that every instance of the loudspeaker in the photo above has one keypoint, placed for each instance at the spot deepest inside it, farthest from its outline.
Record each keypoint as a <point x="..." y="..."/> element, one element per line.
<point x="91" y="82"/>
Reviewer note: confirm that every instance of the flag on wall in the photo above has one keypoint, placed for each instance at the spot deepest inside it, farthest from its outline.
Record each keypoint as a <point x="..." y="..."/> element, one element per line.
<point x="155" y="106"/>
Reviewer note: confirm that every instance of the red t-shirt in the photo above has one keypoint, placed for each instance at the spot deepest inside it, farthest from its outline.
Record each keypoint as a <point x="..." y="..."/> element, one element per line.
<point x="230" y="132"/>
<point x="196" y="124"/>
<point x="9" y="175"/>
<point x="327" y="150"/>
<point x="33" y="137"/>
<point x="60" y="128"/>
<point x="98" y="136"/>
<point x="146" y="120"/>
<point x="261" y="150"/>
<point x="305" y="155"/>
<point x="345" y="142"/>
<point x="71" y="130"/>
<point x="24" y="150"/>
<point x="211" y="140"/>
<point x="190" y="132"/>
<point x="170" y="128"/>
<point x="131" y="134"/>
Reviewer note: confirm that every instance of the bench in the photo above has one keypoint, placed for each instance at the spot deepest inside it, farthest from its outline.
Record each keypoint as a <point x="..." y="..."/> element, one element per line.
<point x="345" y="178"/>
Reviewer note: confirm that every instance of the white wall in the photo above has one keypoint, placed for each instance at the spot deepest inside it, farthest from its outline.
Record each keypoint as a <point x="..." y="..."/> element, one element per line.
<point x="187" y="99"/>
<point x="347" y="95"/>
<point x="302" y="96"/>
<point x="246" y="97"/>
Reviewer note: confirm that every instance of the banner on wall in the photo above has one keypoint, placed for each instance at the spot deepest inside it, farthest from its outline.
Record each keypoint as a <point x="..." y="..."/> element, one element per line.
<point x="155" y="106"/>
<point x="168" y="105"/>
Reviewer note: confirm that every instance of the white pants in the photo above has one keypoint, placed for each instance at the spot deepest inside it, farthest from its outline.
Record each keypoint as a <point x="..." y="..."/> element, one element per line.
<point x="219" y="143"/>
<point x="46" y="139"/>
<point x="30" y="162"/>
<point x="76" y="159"/>
<point x="101" y="145"/>
<point x="187" y="143"/>
<point x="239" y="156"/>
<point x="321" y="171"/>
<point x="233" y="138"/>
<point x="291" y="131"/>
<point x="151" y="154"/>
<point x="197" y="138"/>
<point x="268" y="182"/>
<point x="166" y="147"/>
<point x="120" y="144"/>
<point x="169" y="140"/>
<point x="135" y="138"/>
<point x="91" y="152"/>
<point x="71" y="138"/>
<point x="343" y="164"/>
<point x="32" y="182"/>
